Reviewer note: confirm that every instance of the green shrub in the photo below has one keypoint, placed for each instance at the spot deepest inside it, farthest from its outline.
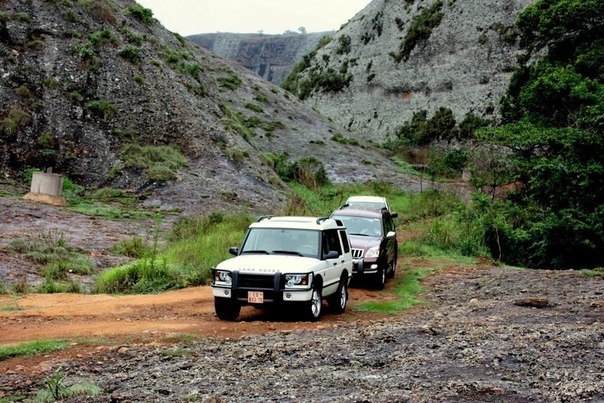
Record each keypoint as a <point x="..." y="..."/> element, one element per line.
<point x="309" y="172"/>
<point x="141" y="13"/>
<point x="237" y="154"/>
<point x="231" y="82"/>
<point x="340" y="138"/>
<point x="131" y="54"/>
<point x="102" y="108"/>
<point x="344" y="42"/>
<point x="101" y="10"/>
<point x="135" y="247"/>
<point x="420" y="29"/>
<point x="254" y="107"/>
<point x="104" y="36"/>
<point x="15" y="119"/>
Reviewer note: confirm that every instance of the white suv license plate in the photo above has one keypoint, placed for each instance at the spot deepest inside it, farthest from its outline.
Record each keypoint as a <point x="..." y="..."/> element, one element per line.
<point x="255" y="297"/>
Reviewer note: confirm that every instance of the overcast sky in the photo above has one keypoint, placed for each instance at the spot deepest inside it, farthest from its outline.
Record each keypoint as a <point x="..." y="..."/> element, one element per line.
<point x="188" y="17"/>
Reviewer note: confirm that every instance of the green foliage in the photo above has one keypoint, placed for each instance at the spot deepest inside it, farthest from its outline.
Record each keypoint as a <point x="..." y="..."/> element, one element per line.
<point x="238" y="123"/>
<point x="449" y="163"/>
<point x="160" y="163"/>
<point x="408" y="290"/>
<point x="56" y="388"/>
<point x="84" y="50"/>
<point x="32" y="348"/>
<point x="51" y="251"/>
<point x="261" y="98"/>
<point x="560" y="24"/>
<point x="307" y="171"/>
<point x="182" y="62"/>
<point x="131" y="53"/>
<point x="231" y="82"/>
<point x="102" y="108"/>
<point x="254" y="107"/>
<point x="422" y="131"/>
<point x="469" y="125"/>
<point x="13" y="15"/>
<point x="135" y="247"/>
<point x="553" y="113"/>
<point x="195" y="245"/>
<point x="340" y="138"/>
<point x="235" y="121"/>
<point x="303" y="79"/>
<point x="15" y="119"/>
<point x="237" y="154"/>
<point x="344" y="42"/>
<point x="141" y="13"/>
<point x="419" y="30"/>
<point x="102" y="11"/>
<point x="104" y="36"/>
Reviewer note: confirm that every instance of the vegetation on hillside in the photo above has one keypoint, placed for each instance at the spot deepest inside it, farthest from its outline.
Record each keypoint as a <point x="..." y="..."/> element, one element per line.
<point x="554" y="127"/>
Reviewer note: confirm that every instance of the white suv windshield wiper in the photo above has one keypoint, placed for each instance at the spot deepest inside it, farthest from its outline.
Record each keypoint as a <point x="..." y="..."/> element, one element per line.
<point x="287" y="252"/>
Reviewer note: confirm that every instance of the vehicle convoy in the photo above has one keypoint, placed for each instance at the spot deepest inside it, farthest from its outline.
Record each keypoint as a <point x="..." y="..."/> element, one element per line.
<point x="373" y="239"/>
<point x="298" y="261"/>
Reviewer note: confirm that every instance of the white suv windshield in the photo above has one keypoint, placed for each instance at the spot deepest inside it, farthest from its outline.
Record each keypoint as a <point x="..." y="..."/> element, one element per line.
<point x="282" y="241"/>
<point x="367" y="205"/>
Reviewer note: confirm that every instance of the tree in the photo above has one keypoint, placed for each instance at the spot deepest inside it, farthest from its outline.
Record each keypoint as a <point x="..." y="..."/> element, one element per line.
<point x="554" y="126"/>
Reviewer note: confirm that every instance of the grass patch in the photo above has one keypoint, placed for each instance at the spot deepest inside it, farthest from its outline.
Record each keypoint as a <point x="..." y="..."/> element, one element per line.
<point x="194" y="245"/>
<point x="57" y="388"/>
<point x="10" y="306"/>
<point x="32" y="348"/>
<point x="58" y="258"/>
<point x="160" y="163"/>
<point x="408" y="289"/>
<point x="597" y="272"/>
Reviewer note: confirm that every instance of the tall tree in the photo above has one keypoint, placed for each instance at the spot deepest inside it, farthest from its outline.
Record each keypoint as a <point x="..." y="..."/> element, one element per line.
<point x="553" y="117"/>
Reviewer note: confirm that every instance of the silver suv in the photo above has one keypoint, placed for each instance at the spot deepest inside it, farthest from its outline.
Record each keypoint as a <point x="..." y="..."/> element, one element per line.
<point x="286" y="260"/>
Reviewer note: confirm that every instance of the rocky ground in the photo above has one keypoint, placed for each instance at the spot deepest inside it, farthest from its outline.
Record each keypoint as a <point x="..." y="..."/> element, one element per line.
<point x="484" y="333"/>
<point x="487" y="335"/>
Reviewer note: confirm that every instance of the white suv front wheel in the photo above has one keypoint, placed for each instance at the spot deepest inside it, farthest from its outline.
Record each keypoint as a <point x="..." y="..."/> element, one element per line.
<point x="338" y="301"/>
<point x="314" y="306"/>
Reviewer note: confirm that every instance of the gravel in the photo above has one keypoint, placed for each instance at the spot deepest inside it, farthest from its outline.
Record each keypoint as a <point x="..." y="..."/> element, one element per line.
<point x="487" y="335"/>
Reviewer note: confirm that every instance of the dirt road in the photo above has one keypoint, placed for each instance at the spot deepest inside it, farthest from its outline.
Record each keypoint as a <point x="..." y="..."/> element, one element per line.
<point x="144" y="317"/>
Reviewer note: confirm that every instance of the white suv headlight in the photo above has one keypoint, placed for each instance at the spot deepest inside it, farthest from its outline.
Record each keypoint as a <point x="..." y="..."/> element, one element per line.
<point x="373" y="252"/>
<point x="298" y="280"/>
<point x="224" y="277"/>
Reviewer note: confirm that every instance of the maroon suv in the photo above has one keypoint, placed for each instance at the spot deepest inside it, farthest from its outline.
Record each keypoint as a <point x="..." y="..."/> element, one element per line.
<point x="373" y="239"/>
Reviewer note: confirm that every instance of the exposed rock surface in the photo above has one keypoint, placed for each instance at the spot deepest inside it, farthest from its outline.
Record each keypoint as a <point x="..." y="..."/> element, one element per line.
<point x="82" y="82"/>
<point x="272" y="57"/>
<point x="464" y="64"/>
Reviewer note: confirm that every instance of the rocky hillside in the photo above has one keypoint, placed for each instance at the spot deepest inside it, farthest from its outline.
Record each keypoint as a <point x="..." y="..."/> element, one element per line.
<point x="101" y="92"/>
<point x="272" y="57"/>
<point x="396" y="58"/>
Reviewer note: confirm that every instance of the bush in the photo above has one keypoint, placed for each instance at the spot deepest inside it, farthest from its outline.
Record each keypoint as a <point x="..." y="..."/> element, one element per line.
<point x="102" y="108"/>
<point x="141" y="13"/>
<point x="131" y="54"/>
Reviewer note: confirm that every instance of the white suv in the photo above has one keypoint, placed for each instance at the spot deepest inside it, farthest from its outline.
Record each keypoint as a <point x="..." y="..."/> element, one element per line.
<point x="367" y="202"/>
<point x="286" y="260"/>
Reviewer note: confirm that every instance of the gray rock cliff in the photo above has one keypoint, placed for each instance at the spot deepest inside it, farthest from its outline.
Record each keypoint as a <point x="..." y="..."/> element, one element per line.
<point x="272" y="57"/>
<point x="393" y="62"/>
